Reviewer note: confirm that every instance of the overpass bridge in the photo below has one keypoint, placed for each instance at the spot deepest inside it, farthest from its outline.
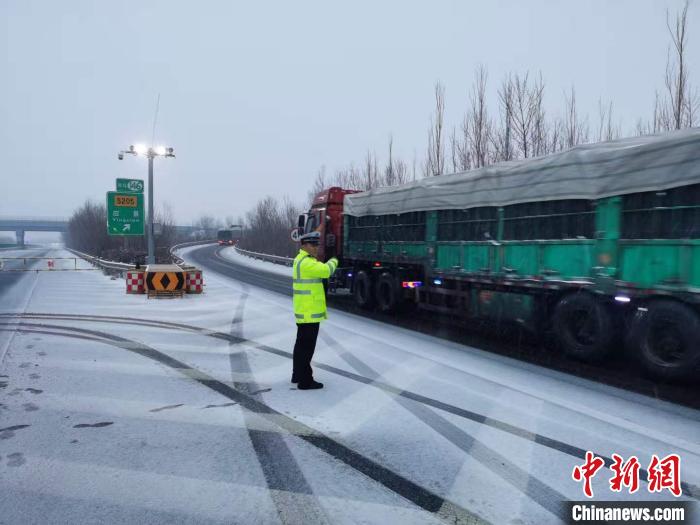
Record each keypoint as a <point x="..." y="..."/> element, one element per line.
<point x="21" y="225"/>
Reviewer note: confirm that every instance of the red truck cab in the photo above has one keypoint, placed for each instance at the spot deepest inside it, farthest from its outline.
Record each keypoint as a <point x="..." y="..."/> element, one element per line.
<point x="326" y="217"/>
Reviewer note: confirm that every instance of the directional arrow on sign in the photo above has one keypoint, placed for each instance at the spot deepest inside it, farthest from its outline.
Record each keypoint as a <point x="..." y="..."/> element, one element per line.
<point x="127" y="227"/>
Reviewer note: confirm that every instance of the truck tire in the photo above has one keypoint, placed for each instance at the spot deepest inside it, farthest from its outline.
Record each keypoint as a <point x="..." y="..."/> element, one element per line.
<point x="362" y="290"/>
<point x="386" y="293"/>
<point x="583" y="327"/>
<point x="667" y="340"/>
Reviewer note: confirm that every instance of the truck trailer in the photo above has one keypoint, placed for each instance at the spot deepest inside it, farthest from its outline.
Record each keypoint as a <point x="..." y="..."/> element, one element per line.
<point x="598" y="245"/>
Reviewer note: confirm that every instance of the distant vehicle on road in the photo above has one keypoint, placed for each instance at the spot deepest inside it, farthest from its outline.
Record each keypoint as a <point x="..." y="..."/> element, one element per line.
<point x="230" y="236"/>
<point x="598" y="245"/>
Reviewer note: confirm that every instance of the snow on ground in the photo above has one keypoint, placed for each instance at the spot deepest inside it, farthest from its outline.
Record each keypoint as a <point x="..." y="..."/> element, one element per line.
<point x="231" y="254"/>
<point x="118" y="432"/>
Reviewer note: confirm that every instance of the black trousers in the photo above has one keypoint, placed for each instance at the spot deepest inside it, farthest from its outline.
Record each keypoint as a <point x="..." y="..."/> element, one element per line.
<point x="304" y="351"/>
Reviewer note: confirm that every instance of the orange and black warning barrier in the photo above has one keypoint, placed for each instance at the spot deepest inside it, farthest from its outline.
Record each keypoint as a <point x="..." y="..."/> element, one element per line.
<point x="165" y="280"/>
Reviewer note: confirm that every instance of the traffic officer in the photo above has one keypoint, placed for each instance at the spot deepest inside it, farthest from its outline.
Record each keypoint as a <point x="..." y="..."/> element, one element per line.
<point x="309" y="299"/>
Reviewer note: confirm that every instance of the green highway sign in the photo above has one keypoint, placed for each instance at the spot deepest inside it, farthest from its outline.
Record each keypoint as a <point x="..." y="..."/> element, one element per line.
<point x="125" y="213"/>
<point x="130" y="185"/>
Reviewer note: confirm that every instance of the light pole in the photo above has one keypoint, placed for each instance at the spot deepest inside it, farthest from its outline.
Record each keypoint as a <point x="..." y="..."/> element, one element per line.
<point x="151" y="153"/>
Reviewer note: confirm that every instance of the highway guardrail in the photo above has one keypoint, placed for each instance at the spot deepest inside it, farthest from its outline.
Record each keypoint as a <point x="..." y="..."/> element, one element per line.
<point x="109" y="266"/>
<point x="286" y="261"/>
<point x="119" y="267"/>
<point x="178" y="260"/>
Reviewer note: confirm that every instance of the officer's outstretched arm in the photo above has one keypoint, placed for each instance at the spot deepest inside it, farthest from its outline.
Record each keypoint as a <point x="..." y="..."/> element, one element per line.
<point x="318" y="270"/>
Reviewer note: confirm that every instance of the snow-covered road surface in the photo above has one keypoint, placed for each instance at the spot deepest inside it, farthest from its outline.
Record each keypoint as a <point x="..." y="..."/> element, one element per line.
<point x="120" y="409"/>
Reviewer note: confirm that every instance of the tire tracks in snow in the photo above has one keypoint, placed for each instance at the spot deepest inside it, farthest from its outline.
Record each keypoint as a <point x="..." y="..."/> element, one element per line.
<point x="689" y="489"/>
<point x="290" y="491"/>
<point x="545" y="496"/>
<point x="273" y="421"/>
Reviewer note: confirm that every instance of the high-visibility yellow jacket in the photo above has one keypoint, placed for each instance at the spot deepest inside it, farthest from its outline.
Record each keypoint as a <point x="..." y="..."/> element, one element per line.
<point x="307" y="284"/>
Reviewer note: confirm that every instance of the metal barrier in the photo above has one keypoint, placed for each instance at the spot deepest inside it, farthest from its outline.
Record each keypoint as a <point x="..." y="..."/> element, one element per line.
<point x="108" y="266"/>
<point x="287" y="261"/>
<point x="112" y="267"/>
<point x="178" y="260"/>
<point x="118" y="267"/>
<point x="49" y="267"/>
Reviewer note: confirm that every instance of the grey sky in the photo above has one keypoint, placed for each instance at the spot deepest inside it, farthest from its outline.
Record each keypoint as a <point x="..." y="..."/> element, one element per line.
<point x="256" y="96"/>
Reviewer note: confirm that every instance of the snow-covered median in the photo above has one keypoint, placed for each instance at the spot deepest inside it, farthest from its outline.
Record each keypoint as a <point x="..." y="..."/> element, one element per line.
<point x="231" y="254"/>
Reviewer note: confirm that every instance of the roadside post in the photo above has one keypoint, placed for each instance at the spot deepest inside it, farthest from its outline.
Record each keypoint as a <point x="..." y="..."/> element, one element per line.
<point x="151" y="153"/>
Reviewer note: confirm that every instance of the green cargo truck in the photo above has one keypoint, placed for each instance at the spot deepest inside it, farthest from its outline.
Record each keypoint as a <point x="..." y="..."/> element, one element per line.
<point x="599" y="244"/>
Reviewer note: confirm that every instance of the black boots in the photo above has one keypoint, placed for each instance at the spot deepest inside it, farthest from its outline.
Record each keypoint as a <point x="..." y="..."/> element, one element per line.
<point x="307" y="385"/>
<point x="311" y="385"/>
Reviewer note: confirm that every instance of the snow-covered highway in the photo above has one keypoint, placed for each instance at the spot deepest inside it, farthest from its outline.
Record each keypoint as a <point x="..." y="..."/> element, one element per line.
<point x="120" y="409"/>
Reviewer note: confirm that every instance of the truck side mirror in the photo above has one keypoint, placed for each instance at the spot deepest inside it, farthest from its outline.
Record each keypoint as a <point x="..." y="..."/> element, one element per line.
<point x="302" y="222"/>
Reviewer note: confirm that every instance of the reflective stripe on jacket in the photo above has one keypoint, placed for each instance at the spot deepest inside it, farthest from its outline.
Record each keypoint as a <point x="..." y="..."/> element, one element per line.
<point x="307" y="286"/>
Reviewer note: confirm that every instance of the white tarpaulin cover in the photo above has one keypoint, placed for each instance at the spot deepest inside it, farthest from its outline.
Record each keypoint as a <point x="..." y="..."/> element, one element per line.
<point x="591" y="171"/>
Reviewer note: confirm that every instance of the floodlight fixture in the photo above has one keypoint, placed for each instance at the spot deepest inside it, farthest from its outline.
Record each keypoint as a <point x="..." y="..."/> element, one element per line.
<point x="139" y="149"/>
<point x="151" y="153"/>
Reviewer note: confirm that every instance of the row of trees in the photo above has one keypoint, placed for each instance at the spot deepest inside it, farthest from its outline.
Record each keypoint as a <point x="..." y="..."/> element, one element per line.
<point x="268" y="225"/>
<point x="519" y="127"/>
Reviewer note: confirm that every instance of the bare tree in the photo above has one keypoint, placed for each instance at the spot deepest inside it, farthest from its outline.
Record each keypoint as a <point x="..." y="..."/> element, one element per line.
<point x="477" y="128"/>
<point x="389" y="173"/>
<point x="527" y="100"/>
<point x="456" y="150"/>
<point x="268" y="227"/>
<point x="502" y="136"/>
<point x="320" y="184"/>
<point x="413" y="165"/>
<point x="395" y="171"/>
<point x="575" y="129"/>
<point x="207" y="222"/>
<point x="676" y="72"/>
<point x="370" y="172"/>
<point x="435" y="159"/>
<point x="86" y="231"/>
<point x="540" y="140"/>
<point x="606" y="129"/>
<point x="679" y="106"/>
<point x="400" y="172"/>
<point x="290" y="211"/>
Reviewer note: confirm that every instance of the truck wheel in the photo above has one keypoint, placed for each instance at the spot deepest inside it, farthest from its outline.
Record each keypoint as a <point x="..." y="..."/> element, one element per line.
<point x="583" y="327"/>
<point x="667" y="337"/>
<point x="362" y="289"/>
<point x="386" y="293"/>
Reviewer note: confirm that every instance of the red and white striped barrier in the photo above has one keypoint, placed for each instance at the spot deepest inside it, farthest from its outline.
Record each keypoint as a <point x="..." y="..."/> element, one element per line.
<point x="194" y="282"/>
<point x="134" y="282"/>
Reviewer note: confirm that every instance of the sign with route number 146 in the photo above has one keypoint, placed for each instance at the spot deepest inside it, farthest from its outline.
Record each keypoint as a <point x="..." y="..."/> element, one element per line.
<point x="125" y="213"/>
<point x="130" y="185"/>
